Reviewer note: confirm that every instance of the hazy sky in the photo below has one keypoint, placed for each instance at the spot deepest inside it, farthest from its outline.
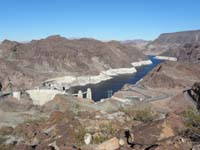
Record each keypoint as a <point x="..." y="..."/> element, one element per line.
<point x="24" y="20"/>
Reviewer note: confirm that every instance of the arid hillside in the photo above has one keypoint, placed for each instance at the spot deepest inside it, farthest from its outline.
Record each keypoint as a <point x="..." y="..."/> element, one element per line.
<point x="189" y="52"/>
<point x="58" y="56"/>
<point x="172" y="41"/>
<point x="173" y="75"/>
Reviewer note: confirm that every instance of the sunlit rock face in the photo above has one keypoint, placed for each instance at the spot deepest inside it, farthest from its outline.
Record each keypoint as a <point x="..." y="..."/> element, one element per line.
<point x="172" y="44"/>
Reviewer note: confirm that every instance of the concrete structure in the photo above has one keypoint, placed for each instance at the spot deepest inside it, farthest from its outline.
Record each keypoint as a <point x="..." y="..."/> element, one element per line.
<point x="42" y="96"/>
<point x="80" y="94"/>
<point x="17" y="95"/>
<point x="89" y="93"/>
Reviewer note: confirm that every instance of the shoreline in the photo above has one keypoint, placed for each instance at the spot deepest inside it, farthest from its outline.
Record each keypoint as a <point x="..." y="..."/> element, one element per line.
<point x="42" y="96"/>
<point x="71" y="81"/>
<point x="166" y="58"/>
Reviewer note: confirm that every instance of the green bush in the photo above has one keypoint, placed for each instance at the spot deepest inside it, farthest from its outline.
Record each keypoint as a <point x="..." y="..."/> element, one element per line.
<point x="99" y="139"/>
<point x="35" y="120"/>
<point x="144" y="115"/>
<point x="108" y="129"/>
<point x="140" y="112"/>
<point x="2" y="140"/>
<point x="79" y="135"/>
<point x="192" y="120"/>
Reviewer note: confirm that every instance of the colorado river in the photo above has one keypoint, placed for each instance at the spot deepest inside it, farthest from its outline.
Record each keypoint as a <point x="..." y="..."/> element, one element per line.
<point x="106" y="88"/>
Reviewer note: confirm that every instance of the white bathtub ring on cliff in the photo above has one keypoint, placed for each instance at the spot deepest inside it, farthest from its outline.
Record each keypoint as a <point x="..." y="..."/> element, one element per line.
<point x="166" y="58"/>
<point x="72" y="81"/>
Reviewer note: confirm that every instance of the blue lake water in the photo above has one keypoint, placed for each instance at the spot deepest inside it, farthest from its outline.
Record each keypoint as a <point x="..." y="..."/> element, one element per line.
<point x="106" y="88"/>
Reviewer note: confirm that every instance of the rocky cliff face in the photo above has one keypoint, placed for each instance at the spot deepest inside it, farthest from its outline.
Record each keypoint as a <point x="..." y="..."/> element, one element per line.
<point x="172" y="42"/>
<point x="188" y="52"/>
<point x="173" y="75"/>
<point x="57" y="56"/>
<point x="179" y="37"/>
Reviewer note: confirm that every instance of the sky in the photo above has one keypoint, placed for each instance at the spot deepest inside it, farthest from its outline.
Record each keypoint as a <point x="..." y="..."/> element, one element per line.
<point x="24" y="20"/>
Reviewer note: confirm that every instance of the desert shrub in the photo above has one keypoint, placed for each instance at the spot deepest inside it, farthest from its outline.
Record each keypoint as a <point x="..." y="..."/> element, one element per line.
<point x="35" y="120"/>
<point x="144" y="115"/>
<point x="6" y="131"/>
<point x="106" y="132"/>
<point x="79" y="135"/>
<point x="192" y="123"/>
<point x="108" y="129"/>
<point x="99" y="139"/>
<point x="2" y="140"/>
<point x="140" y="113"/>
<point x="192" y="119"/>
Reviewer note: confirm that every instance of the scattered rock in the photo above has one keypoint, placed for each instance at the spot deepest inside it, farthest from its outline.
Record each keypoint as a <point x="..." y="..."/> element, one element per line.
<point x="167" y="131"/>
<point x="13" y="140"/>
<point x="54" y="146"/>
<point x="121" y="142"/>
<point x="50" y="131"/>
<point x="87" y="138"/>
<point x="35" y="142"/>
<point x="196" y="147"/>
<point x="97" y="117"/>
<point x="111" y="144"/>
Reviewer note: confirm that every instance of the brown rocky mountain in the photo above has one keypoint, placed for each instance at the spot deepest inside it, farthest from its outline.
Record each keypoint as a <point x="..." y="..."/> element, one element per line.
<point x="173" y="75"/>
<point x="172" y="41"/>
<point x="140" y="44"/>
<point x="189" y="52"/>
<point x="57" y="56"/>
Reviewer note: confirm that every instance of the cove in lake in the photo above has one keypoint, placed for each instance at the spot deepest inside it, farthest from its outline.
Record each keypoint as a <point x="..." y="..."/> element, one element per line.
<point x="104" y="89"/>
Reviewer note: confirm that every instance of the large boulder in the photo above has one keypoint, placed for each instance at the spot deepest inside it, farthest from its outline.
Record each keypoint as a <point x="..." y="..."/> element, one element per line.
<point x="111" y="144"/>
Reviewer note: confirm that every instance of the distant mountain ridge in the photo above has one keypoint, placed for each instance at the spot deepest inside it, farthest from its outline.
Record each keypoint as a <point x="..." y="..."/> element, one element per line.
<point x="137" y="43"/>
<point x="179" y="37"/>
<point x="58" y="56"/>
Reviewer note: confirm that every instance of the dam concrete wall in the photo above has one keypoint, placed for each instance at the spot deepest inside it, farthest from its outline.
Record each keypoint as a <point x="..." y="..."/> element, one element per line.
<point x="42" y="96"/>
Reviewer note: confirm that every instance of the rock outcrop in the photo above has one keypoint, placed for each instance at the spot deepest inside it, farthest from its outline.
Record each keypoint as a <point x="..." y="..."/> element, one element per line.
<point x="173" y="75"/>
<point x="188" y="52"/>
<point x="179" y="44"/>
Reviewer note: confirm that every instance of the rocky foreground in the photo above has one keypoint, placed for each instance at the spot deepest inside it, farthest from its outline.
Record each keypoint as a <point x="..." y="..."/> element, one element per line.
<point x="158" y="113"/>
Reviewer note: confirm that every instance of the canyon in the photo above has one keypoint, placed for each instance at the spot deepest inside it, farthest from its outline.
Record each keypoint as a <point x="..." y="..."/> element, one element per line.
<point x="150" y="114"/>
<point x="57" y="56"/>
